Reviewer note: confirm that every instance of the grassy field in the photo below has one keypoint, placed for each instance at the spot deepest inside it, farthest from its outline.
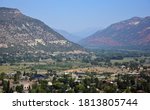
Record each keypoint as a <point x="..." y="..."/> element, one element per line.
<point x="42" y="67"/>
<point x="7" y="69"/>
<point x="123" y="60"/>
<point x="14" y="68"/>
<point x="62" y="65"/>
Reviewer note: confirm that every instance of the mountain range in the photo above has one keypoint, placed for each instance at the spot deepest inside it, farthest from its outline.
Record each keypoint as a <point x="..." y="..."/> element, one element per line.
<point x="22" y="34"/>
<point x="77" y="36"/>
<point x="133" y="33"/>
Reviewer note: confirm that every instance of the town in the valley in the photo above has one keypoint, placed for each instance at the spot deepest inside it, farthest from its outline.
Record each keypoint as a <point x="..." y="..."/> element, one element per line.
<point x="78" y="73"/>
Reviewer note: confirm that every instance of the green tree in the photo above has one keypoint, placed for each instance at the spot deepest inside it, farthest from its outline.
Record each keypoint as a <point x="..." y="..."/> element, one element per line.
<point x="80" y="88"/>
<point x="2" y="76"/>
<point x="17" y="76"/>
<point x="110" y="88"/>
<point x="19" y="89"/>
<point x="6" y="86"/>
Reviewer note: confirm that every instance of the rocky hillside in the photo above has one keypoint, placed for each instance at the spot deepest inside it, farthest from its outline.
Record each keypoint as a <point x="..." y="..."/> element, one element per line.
<point x="22" y="34"/>
<point x="133" y="33"/>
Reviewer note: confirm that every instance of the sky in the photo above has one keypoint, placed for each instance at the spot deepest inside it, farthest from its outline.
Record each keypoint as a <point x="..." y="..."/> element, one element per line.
<point x="77" y="15"/>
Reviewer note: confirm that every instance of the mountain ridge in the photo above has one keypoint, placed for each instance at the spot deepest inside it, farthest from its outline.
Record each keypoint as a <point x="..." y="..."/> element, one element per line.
<point x="23" y="33"/>
<point x="124" y="34"/>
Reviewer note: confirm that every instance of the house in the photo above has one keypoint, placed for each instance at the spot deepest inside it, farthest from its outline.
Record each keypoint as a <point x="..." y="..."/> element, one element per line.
<point x="38" y="77"/>
<point x="50" y="83"/>
<point x="80" y="74"/>
<point x="123" y="67"/>
<point x="26" y="85"/>
<point x="24" y="78"/>
<point x="10" y="75"/>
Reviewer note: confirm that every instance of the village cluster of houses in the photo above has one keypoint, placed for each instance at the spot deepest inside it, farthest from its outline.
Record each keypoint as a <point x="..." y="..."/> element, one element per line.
<point x="27" y="81"/>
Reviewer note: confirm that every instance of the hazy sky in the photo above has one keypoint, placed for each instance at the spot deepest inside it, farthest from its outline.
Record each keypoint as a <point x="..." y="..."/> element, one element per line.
<point x="76" y="15"/>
